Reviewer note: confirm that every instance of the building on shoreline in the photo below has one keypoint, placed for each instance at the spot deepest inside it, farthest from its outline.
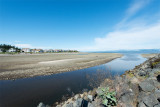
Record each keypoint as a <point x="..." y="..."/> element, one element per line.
<point x="26" y="50"/>
<point x="37" y="50"/>
<point x="12" y="50"/>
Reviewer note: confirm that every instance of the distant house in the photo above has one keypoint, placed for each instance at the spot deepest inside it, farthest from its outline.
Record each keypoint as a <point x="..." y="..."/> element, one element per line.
<point x="41" y="50"/>
<point x="37" y="50"/>
<point x="12" y="50"/>
<point x="58" y="50"/>
<point x="50" y="50"/>
<point x="0" y="50"/>
<point x="45" y="50"/>
<point x="33" y="50"/>
<point x="26" y="50"/>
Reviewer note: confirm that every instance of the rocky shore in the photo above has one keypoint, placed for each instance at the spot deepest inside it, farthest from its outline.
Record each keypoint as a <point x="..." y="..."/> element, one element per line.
<point x="139" y="87"/>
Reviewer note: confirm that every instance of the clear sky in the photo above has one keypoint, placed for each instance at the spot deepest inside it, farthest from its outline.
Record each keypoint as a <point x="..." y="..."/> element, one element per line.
<point x="85" y="25"/>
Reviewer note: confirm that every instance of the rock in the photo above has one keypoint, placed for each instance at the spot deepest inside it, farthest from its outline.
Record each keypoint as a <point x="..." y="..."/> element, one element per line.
<point x="150" y="100"/>
<point x="147" y="86"/>
<point x="134" y="80"/>
<point x="141" y="104"/>
<point x="69" y="105"/>
<point x="41" y="105"/>
<point x="158" y="78"/>
<point x="157" y="93"/>
<point x="85" y="98"/>
<point x="158" y="105"/>
<point x="142" y="73"/>
<point x="156" y="84"/>
<point x="78" y="102"/>
<point x="90" y="97"/>
<point x="81" y="95"/>
<point x="90" y="105"/>
<point x="93" y="93"/>
<point x="76" y="96"/>
<point x="98" y="91"/>
<point x="141" y="95"/>
<point x="127" y="98"/>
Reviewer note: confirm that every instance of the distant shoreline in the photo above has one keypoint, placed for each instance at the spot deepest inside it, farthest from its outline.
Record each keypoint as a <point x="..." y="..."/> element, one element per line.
<point x="149" y="55"/>
<point x="30" y="65"/>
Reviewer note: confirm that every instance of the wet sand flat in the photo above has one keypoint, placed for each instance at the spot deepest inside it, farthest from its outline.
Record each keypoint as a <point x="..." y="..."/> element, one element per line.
<point x="22" y="66"/>
<point x="149" y="55"/>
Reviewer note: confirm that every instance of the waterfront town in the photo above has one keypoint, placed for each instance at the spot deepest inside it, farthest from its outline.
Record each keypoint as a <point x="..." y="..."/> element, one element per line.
<point x="12" y="49"/>
<point x="28" y="50"/>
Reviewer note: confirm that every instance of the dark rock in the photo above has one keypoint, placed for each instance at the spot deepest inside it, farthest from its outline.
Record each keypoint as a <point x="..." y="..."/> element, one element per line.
<point x="80" y="103"/>
<point x="150" y="100"/>
<point x="84" y="103"/>
<point x="147" y="85"/>
<point x="142" y="73"/>
<point x="158" y="78"/>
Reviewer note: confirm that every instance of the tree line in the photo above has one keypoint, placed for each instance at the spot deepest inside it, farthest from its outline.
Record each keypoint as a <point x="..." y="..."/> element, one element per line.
<point x="6" y="48"/>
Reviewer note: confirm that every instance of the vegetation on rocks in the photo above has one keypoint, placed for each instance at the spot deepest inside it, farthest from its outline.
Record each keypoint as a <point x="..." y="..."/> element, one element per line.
<point x="108" y="98"/>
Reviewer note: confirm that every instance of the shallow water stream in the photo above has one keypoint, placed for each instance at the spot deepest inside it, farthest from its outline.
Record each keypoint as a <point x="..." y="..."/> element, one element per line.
<point x="29" y="92"/>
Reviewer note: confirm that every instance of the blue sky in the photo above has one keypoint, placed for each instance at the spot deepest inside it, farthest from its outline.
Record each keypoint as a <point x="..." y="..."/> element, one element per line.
<point x="85" y="25"/>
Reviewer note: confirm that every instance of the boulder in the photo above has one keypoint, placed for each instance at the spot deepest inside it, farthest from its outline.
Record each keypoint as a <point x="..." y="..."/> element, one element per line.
<point x="90" y="105"/>
<point x="150" y="100"/>
<point x="69" y="105"/>
<point x="78" y="102"/>
<point x="76" y="96"/>
<point x="134" y="80"/>
<point x="157" y="93"/>
<point x="158" y="105"/>
<point x="141" y="104"/>
<point x="156" y="84"/>
<point x="41" y="105"/>
<point x="90" y="97"/>
<point x="147" y="85"/>
<point x="141" y="95"/>
<point x="142" y="73"/>
<point x="158" y="78"/>
<point x="127" y="97"/>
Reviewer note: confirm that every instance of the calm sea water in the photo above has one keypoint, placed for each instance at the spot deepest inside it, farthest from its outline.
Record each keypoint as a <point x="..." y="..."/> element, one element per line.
<point x="29" y="92"/>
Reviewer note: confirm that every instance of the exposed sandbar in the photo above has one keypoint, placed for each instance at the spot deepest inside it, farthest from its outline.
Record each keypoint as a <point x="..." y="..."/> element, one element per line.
<point x="149" y="55"/>
<point x="22" y="66"/>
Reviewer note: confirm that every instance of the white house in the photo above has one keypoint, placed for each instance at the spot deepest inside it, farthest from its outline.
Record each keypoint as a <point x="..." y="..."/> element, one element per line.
<point x="26" y="50"/>
<point x="12" y="50"/>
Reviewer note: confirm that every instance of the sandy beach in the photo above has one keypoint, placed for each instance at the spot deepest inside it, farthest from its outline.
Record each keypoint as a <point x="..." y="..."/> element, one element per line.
<point x="148" y="55"/>
<point x="23" y="66"/>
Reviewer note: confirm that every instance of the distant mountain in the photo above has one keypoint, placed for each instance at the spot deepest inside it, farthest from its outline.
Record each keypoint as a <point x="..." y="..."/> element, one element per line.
<point x="132" y="51"/>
